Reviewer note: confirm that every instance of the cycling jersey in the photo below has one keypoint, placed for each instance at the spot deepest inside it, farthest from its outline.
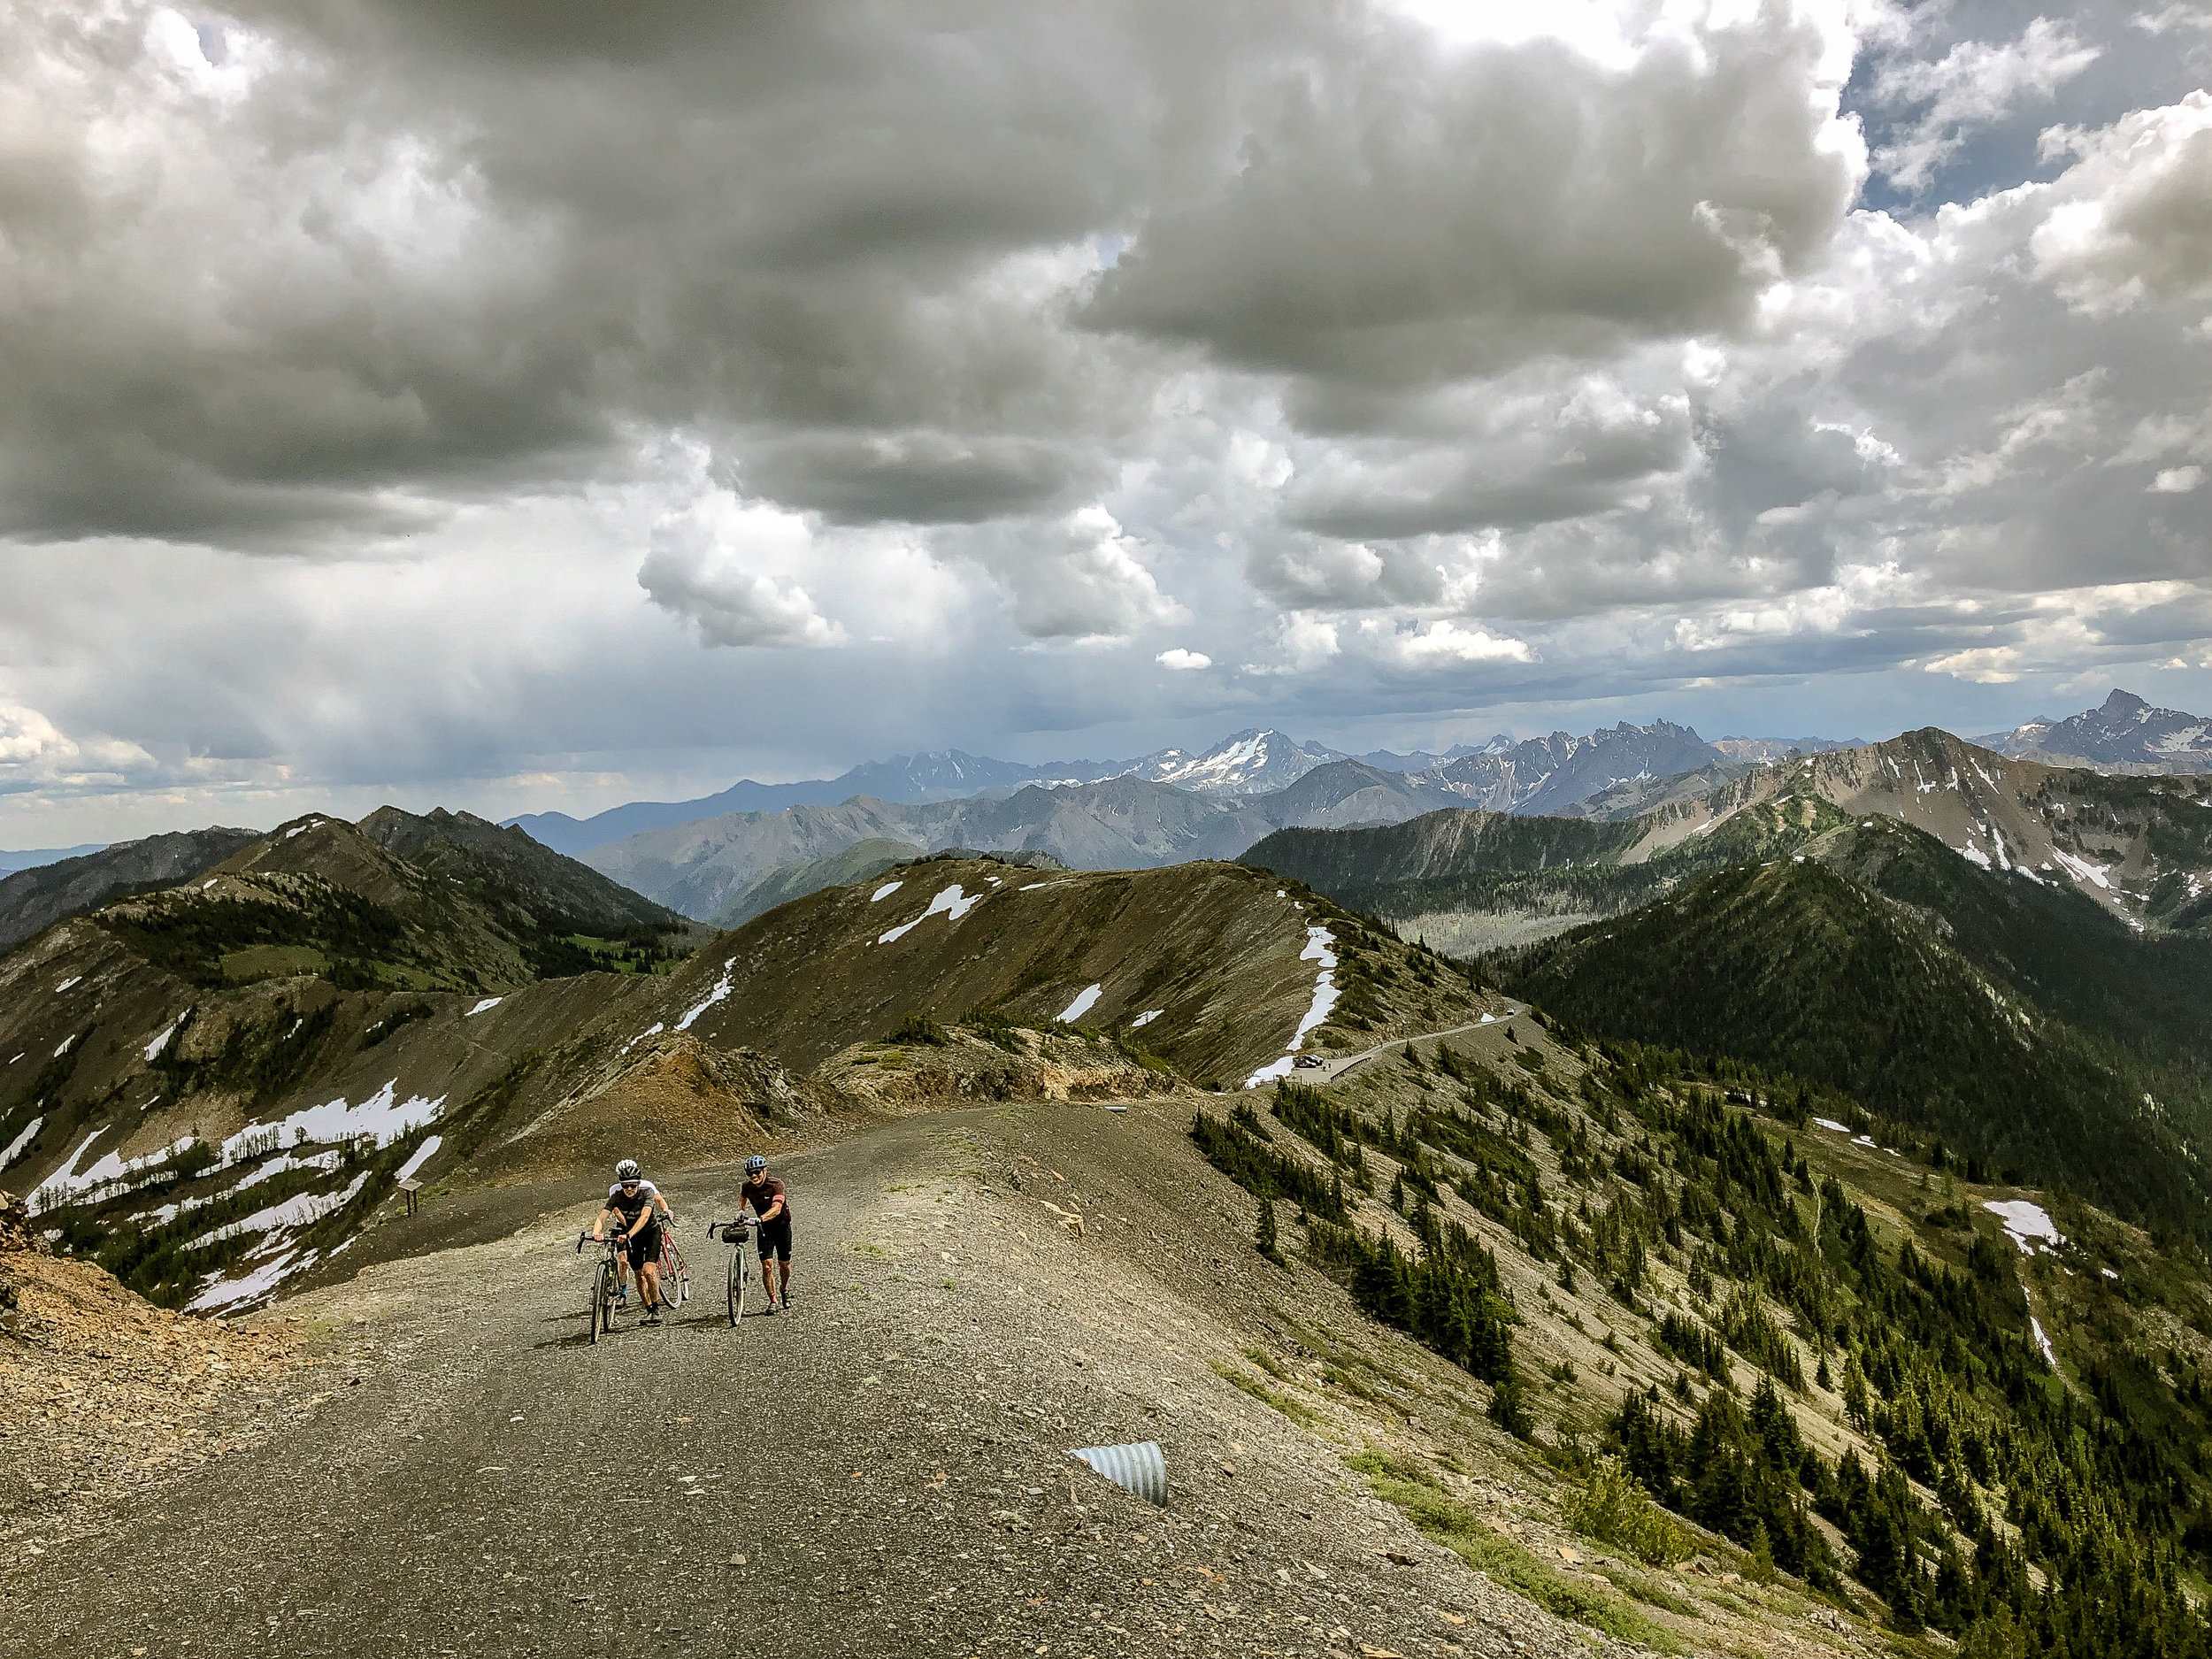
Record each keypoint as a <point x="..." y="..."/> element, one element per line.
<point x="630" y="1205"/>
<point x="761" y="1195"/>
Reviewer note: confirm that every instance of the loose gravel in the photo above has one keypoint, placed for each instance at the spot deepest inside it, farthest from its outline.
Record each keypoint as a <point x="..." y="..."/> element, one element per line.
<point x="883" y="1470"/>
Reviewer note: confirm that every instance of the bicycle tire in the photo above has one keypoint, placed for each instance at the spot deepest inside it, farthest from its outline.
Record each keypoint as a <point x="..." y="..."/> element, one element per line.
<point x="668" y="1264"/>
<point x="600" y="1317"/>
<point x="736" y="1296"/>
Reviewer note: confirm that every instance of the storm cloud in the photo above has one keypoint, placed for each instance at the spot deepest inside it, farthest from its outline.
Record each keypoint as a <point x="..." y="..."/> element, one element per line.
<point x="537" y="404"/>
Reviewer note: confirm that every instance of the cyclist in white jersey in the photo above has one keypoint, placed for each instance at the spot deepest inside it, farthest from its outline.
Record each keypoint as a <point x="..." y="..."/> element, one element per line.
<point x="638" y="1205"/>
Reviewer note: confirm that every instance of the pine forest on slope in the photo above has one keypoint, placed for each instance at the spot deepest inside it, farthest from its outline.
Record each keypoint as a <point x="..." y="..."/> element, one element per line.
<point x="1692" y="1282"/>
<point x="2022" y="1024"/>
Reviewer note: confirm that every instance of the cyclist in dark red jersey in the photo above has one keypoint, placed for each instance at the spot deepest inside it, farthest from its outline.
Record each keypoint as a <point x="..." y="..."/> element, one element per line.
<point x="765" y="1194"/>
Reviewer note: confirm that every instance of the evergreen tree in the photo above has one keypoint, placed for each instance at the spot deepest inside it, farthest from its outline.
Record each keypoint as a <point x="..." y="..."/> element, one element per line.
<point x="1263" y="1234"/>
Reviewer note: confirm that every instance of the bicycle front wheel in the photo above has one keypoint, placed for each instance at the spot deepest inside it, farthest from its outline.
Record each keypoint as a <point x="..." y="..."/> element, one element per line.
<point x="676" y="1273"/>
<point x="738" y="1277"/>
<point x="600" y="1317"/>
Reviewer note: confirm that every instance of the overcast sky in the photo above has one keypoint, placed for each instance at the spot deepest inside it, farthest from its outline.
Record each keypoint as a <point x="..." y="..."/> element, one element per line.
<point x="520" y="404"/>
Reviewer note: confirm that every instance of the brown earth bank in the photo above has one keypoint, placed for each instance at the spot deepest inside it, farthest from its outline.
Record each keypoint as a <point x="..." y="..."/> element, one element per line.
<point x="884" y="1468"/>
<point x="103" y="1395"/>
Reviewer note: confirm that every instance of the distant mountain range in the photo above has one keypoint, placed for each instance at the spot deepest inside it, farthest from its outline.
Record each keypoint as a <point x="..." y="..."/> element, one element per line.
<point x="1539" y="775"/>
<point x="703" y="869"/>
<point x="1545" y="774"/>
<point x="2126" y="734"/>
<point x="1173" y="807"/>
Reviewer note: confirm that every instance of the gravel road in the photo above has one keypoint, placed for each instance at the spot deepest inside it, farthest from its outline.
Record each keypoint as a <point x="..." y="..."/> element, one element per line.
<point x="1336" y="1066"/>
<point x="882" y="1472"/>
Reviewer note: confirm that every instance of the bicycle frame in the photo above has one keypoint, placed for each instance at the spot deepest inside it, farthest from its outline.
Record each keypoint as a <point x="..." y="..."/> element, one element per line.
<point x="737" y="1234"/>
<point x="604" y="1280"/>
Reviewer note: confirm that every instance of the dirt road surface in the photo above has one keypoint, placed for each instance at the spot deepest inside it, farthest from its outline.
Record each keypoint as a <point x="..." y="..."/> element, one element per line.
<point x="883" y="1470"/>
<point x="1335" y="1067"/>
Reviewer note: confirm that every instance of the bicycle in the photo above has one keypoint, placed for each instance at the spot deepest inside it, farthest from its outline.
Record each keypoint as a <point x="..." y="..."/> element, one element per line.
<point x="736" y="1234"/>
<point x="604" y="1280"/>
<point x="675" y="1272"/>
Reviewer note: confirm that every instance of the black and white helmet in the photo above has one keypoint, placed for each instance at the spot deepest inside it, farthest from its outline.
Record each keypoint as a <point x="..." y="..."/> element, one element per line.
<point x="626" y="1171"/>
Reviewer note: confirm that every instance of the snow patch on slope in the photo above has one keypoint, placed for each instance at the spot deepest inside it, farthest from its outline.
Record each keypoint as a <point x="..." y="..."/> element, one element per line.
<point x="16" y="1146"/>
<point x="2082" y="869"/>
<point x="2024" y="1221"/>
<point x="720" y="992"/>
<point x="1319" y="942"/>
<point x="383" y="1116"/>
<point x="952" y="903"/>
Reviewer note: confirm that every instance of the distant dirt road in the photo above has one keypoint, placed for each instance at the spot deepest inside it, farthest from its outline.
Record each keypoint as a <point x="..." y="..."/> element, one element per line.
<point x="882" y="1472"/>
<point x="1334" y="1069"/>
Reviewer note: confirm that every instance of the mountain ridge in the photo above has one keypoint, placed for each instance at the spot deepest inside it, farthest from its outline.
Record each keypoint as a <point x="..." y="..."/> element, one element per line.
<point x="2138" y="847"/>
<point x="2123" y="735"/>
<point x="2022" y="1023"/>
<point x="37" y="896"/>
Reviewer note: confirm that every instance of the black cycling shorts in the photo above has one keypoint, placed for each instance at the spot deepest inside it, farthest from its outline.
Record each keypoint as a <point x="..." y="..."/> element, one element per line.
<point x="775" y="1238"/>
<point x="646" y="1246"/>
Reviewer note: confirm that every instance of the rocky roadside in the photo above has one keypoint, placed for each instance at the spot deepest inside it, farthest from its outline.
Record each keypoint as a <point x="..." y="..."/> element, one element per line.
<point x="104" y="1394"/>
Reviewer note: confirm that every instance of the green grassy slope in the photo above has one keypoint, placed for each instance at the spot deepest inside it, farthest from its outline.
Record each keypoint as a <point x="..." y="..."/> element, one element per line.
<point x="1471" y="861"/>
<point x="860" y="862"/>
<point x="2020" y="1023"/>
<point x="1698" y="1316"/>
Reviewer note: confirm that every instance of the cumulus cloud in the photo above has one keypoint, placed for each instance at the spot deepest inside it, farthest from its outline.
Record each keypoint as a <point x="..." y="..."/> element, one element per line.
<point x="733" y="606"/>
<point x="1973" y="85"/>
<point x="34" y="753"/>
<point x="432" y="258"/>
<point x="1400" y="219"/>
<point x="1080" y="577"/>
<point x="1445" y="643"/>
<point x="2134" y="223"/>
<point x="1178" y="660"/>
<point x="723" y="565"/>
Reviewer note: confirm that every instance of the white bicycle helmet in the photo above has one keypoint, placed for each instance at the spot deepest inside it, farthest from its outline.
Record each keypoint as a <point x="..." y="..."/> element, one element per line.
<point x="627" y="1170"/>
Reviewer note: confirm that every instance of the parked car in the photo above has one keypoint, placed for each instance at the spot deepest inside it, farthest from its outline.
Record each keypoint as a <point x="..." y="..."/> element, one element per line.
<point x="1307" y="1060"/>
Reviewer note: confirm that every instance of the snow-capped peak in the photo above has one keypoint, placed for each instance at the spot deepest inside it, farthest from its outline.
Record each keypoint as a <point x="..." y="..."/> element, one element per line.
<point x="1248" y="763"/>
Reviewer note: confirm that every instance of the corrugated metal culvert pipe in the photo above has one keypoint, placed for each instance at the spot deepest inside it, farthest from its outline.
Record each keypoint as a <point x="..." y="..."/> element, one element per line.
<point x="1141" y="1468"/>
